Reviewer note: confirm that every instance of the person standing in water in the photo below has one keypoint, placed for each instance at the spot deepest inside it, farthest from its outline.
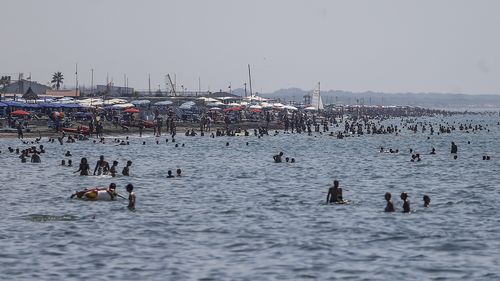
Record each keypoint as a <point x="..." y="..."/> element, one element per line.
<point x="112" y="170"/>
<point x="126" y="169"/>
<point x="84" y="167"/>
<point x="131" y="196"/>
<point x="454" y="147"/>
<point x="389" y="207"/>
<point x="102" y="166"/>
<point x="334" y="193"/>
<point x="406" y="202"/>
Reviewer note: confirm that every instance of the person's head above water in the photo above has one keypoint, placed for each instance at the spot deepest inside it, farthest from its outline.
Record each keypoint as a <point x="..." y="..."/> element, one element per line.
<point x="427" y="200"/>
<point x="129" y="187"/>
<point x="404" y="195"/>
<point x="115" y="162"/>
<point x="179" y="171"/>
<point x="112" y="185"/>
<point x="388" y="196"/>
<point x="101" y="157"/>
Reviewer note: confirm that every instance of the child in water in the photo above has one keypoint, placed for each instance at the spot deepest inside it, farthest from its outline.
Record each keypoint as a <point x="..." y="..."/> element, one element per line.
<point x="131" y="196"/>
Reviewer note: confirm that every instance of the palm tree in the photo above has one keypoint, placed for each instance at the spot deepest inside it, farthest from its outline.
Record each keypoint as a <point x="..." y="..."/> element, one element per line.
<point x="57" y="80"/>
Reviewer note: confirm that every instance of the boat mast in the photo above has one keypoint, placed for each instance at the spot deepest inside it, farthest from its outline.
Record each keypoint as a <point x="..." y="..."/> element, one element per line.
<point x="250" y="79"/>
<point x="319" y="93"/>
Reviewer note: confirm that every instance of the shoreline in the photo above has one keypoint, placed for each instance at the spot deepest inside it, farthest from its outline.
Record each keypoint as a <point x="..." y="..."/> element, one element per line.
<point x="111" y="131"/>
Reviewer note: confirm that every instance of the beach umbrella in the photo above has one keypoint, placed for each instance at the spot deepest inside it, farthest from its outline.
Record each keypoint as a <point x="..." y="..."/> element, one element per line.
<point x="255" y="110"/>
<point x="131" y="110"/>
<point x="311" y="108"/>
<point x="165" y="102"/>
<point x="20" y="112"/>
<point x="236" y="108"/>
<point x="290" y="107"/>
<point x="255" y="106"/>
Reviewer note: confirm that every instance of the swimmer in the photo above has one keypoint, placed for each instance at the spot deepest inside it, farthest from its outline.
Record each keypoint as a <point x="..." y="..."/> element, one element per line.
<point x="334" y="193"/>
<point x="427" y="201"/>
<point x="68" y="154"/>
<point x="112" y="170"/>
<point x="389" y="207"/>
<point x="35" y="158"/>
<point x="277" y="157"/>
<point x="179" y="173"/>
<point x="406" y="202"/>
<point x="126" y="169"/>
<point x="101" y="166"/>
<point x="169" y="174"/>
<point x="84" y="167"/>
<point x="70" y="163"/>
<point x="63" y="162"/>
<point x="131" y="196"/>
<point x="292" y="160"/>
<point x="433" y="151"/>
<point x="454" y="147"/>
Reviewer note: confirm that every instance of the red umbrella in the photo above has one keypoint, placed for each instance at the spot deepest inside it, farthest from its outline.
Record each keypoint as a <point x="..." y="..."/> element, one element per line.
<point x="131" y="110"/>
<point x="255" y="110"/>
<point x="236" y="108"/>
<point x="20" y="112"/>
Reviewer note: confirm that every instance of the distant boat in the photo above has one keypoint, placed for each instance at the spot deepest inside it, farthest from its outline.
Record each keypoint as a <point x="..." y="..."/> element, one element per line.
<point x="316" y="101"/>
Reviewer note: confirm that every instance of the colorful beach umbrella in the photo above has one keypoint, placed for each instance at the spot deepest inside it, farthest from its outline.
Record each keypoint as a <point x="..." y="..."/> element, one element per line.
<point x="20" y="112"/>
<point x="131" y="110"/>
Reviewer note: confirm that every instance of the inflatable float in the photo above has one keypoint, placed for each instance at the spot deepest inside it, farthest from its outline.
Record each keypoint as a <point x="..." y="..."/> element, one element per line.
<point x="95" y="194"/>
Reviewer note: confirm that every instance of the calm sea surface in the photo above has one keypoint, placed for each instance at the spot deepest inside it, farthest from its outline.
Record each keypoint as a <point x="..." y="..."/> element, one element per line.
<point x="236" y="215"/>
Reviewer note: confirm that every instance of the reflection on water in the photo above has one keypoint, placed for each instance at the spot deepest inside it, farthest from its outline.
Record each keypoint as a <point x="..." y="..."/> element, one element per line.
<point x="237" y="215"/>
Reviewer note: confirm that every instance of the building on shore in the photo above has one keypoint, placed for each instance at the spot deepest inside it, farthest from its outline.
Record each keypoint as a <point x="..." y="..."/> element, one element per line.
<point x="21" y="87"/>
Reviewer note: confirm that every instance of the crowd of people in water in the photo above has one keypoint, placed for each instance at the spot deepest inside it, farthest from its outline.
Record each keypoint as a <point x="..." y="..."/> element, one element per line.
<point x="337" y="126"/>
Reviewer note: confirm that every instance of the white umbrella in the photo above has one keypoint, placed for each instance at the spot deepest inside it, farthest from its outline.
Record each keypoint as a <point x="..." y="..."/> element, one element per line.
<point x="311" y="108"/>
<point x="140" y="102"/>
<point x="165" y="102"/>
<point x="215" y="103"/>
<point x="289" y="107"/>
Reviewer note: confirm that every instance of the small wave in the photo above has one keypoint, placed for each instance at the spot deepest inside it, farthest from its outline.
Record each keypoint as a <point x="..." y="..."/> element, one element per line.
<point x="48" y="218"/>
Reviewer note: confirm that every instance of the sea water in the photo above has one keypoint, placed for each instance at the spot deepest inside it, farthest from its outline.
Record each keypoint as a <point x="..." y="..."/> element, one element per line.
<point x="237" y="215"/>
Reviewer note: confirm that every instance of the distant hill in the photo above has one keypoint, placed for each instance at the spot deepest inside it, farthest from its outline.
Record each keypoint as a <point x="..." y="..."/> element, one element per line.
<point x="430" y="100"/>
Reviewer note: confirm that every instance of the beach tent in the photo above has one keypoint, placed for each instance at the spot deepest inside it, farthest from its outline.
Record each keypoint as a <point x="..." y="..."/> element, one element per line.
<point x="30" y="95"/>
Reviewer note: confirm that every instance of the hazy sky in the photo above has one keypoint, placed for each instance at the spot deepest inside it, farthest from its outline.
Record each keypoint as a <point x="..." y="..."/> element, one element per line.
<point x="379" y="45"/>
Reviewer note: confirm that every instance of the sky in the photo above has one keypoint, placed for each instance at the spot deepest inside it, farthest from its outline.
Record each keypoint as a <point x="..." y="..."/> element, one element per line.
<point x="392" y="46"/>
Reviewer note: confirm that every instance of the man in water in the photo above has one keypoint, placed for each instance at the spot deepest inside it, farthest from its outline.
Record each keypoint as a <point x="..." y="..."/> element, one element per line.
<point x="334" y="193"/>
<point x="102" y="166"/>
<point x="126" y="169"/>
<point x="454" y="147"/>
<point x="406" y="202"/>
<point x="277" y="157"/>
<point x="389" y="207"/>
<point x="131" y="196"/>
